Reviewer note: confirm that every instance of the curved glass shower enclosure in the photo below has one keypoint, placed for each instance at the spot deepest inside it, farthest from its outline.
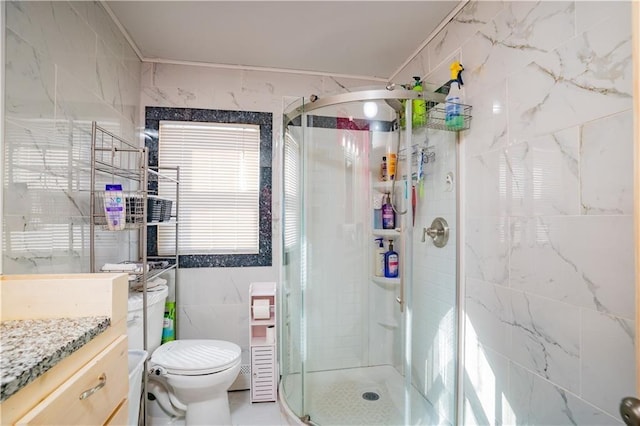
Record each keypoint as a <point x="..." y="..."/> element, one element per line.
<point x="357" y="348"/>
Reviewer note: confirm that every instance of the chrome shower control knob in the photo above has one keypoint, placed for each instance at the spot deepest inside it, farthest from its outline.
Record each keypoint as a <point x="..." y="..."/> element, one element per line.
<point x="438" y="231"/>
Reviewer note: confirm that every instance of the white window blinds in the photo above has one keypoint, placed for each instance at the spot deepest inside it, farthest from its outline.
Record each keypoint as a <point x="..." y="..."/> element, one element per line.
<point x="219" y="186"/>
<point x="291" y="191"/>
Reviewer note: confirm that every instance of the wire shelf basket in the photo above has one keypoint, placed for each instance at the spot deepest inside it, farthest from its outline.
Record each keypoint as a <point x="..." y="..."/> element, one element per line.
<point x="437" y="118"/>
<point x="134" y="213"/>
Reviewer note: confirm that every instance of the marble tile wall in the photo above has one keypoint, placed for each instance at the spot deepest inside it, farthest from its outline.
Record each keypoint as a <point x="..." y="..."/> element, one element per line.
<point x="547" y="193"/>
<point x="207" y="295"/>
<point x="67" y="64"/>
<point x="546" y="187"/>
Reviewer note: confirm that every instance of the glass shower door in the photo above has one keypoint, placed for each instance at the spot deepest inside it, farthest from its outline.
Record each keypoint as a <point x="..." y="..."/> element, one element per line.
<point x="350" y="353"/>
<point x="434" y="302"/>
<point x="291" y="294"/>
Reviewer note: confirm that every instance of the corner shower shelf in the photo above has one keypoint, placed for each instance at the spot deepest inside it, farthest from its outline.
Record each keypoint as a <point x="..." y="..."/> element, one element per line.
<point x="387" y="232"/>
<point x="386" y="281"/>
<point x="385" y="186"/>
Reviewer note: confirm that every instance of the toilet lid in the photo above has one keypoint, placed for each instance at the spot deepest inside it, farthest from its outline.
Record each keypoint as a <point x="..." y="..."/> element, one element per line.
<point x="196" y="357"/>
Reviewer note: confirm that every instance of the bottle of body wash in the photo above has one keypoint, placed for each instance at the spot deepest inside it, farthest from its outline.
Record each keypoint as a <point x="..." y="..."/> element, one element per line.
<point x="391" y="262"/>
<point x="114" y="207"/>
<point x="388" y="215"/>
<point x="378" y="258"/>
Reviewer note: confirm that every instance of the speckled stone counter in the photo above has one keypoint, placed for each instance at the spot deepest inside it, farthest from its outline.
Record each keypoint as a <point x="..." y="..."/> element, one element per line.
<point x="28" y="348"/>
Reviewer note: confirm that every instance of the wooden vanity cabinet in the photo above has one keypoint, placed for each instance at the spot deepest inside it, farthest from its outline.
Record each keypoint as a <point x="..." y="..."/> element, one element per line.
<point x="54" y="398"/>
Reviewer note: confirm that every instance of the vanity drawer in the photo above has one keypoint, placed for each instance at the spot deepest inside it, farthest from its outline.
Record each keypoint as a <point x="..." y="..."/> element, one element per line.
<point x="121" y="416"/>
<point x="84" y="398"/>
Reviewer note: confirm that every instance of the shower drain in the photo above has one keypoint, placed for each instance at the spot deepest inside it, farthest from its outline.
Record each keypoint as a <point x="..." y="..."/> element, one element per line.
<point x="370" y="396"/>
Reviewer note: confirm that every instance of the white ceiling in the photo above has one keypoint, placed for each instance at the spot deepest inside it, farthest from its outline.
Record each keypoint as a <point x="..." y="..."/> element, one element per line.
<point x="358" y="38"/>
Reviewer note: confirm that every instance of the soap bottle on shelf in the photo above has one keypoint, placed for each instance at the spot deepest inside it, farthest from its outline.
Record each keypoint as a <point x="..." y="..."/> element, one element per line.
<point x="378" y="258"/>
<point x="419" y="106"/>
<point x="388" y="215"/>
<point x="377" y="211"/>
<point x="392" y="165"/>
<point x="391" y="262"/>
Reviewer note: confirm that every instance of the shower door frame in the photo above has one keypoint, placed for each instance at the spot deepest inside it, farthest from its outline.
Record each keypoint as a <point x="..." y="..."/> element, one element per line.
<point x="390" y="93"/>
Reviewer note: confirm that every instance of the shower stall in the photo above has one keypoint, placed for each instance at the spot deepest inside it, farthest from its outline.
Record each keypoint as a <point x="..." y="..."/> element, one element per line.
<point x="356" y="347"/>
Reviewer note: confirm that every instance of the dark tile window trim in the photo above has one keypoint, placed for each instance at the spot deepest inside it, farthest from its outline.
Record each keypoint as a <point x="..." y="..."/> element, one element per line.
<point x="343" y="123"/>
<point x="153" y="116"/>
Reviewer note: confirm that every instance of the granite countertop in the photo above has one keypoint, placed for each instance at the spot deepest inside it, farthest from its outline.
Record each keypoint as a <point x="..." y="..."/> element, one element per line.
<point x="28" y="348"/>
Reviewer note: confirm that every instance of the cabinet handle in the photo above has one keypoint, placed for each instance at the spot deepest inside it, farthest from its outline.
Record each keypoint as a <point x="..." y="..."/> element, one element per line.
<point x="103" y="381"/>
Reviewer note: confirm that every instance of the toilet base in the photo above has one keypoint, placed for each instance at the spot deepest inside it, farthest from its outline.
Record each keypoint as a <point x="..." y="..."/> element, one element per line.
<point x="212" y="412"/>
<point x="156" y="416"/>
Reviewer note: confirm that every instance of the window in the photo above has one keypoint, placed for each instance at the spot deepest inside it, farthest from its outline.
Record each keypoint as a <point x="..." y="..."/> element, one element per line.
<point x="291" y="192"/>
<point x="219" y="186"/>
<point x="225" y="184"/>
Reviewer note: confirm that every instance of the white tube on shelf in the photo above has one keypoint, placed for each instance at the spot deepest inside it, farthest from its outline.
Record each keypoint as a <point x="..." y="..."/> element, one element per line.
<point x="271" y="334"/>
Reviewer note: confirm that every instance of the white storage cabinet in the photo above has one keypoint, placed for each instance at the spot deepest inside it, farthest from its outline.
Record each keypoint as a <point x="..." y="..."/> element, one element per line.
<point x="263" y="342"/>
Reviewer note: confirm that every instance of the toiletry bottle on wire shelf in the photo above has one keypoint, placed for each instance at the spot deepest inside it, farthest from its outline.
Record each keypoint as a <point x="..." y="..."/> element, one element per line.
<point x="454" y="118"/>
<point x="419" y="106"/>
<point x="114" y="207"/>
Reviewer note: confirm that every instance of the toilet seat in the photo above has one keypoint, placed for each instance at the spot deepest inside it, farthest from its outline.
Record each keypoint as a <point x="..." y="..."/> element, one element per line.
<point x="195" y="357"/>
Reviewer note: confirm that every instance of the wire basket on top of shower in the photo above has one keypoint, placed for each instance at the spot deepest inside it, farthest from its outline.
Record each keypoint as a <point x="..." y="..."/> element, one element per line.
<point x="437" y="117"/>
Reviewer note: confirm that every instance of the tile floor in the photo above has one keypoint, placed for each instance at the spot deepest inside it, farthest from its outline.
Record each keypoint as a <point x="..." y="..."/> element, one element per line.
<point x="244" y="413"/>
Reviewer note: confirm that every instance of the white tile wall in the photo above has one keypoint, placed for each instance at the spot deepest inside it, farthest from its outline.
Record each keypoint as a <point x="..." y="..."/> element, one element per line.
<point x="610" y="192"/>
<point x="548" y="180"/>
<point x="66" y="65"/>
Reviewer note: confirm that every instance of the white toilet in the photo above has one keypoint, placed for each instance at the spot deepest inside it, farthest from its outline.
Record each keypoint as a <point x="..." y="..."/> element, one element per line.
<point x="155" y="318"/>
<point x="188" y="379"/>
<point x="192" y="377"/>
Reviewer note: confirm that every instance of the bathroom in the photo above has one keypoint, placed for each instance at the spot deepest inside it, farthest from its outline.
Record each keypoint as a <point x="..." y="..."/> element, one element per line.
<point x="546" y="260"/>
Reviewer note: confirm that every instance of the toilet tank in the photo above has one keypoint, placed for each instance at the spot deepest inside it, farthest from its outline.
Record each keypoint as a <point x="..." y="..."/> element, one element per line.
<point x="155" y="318"/>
